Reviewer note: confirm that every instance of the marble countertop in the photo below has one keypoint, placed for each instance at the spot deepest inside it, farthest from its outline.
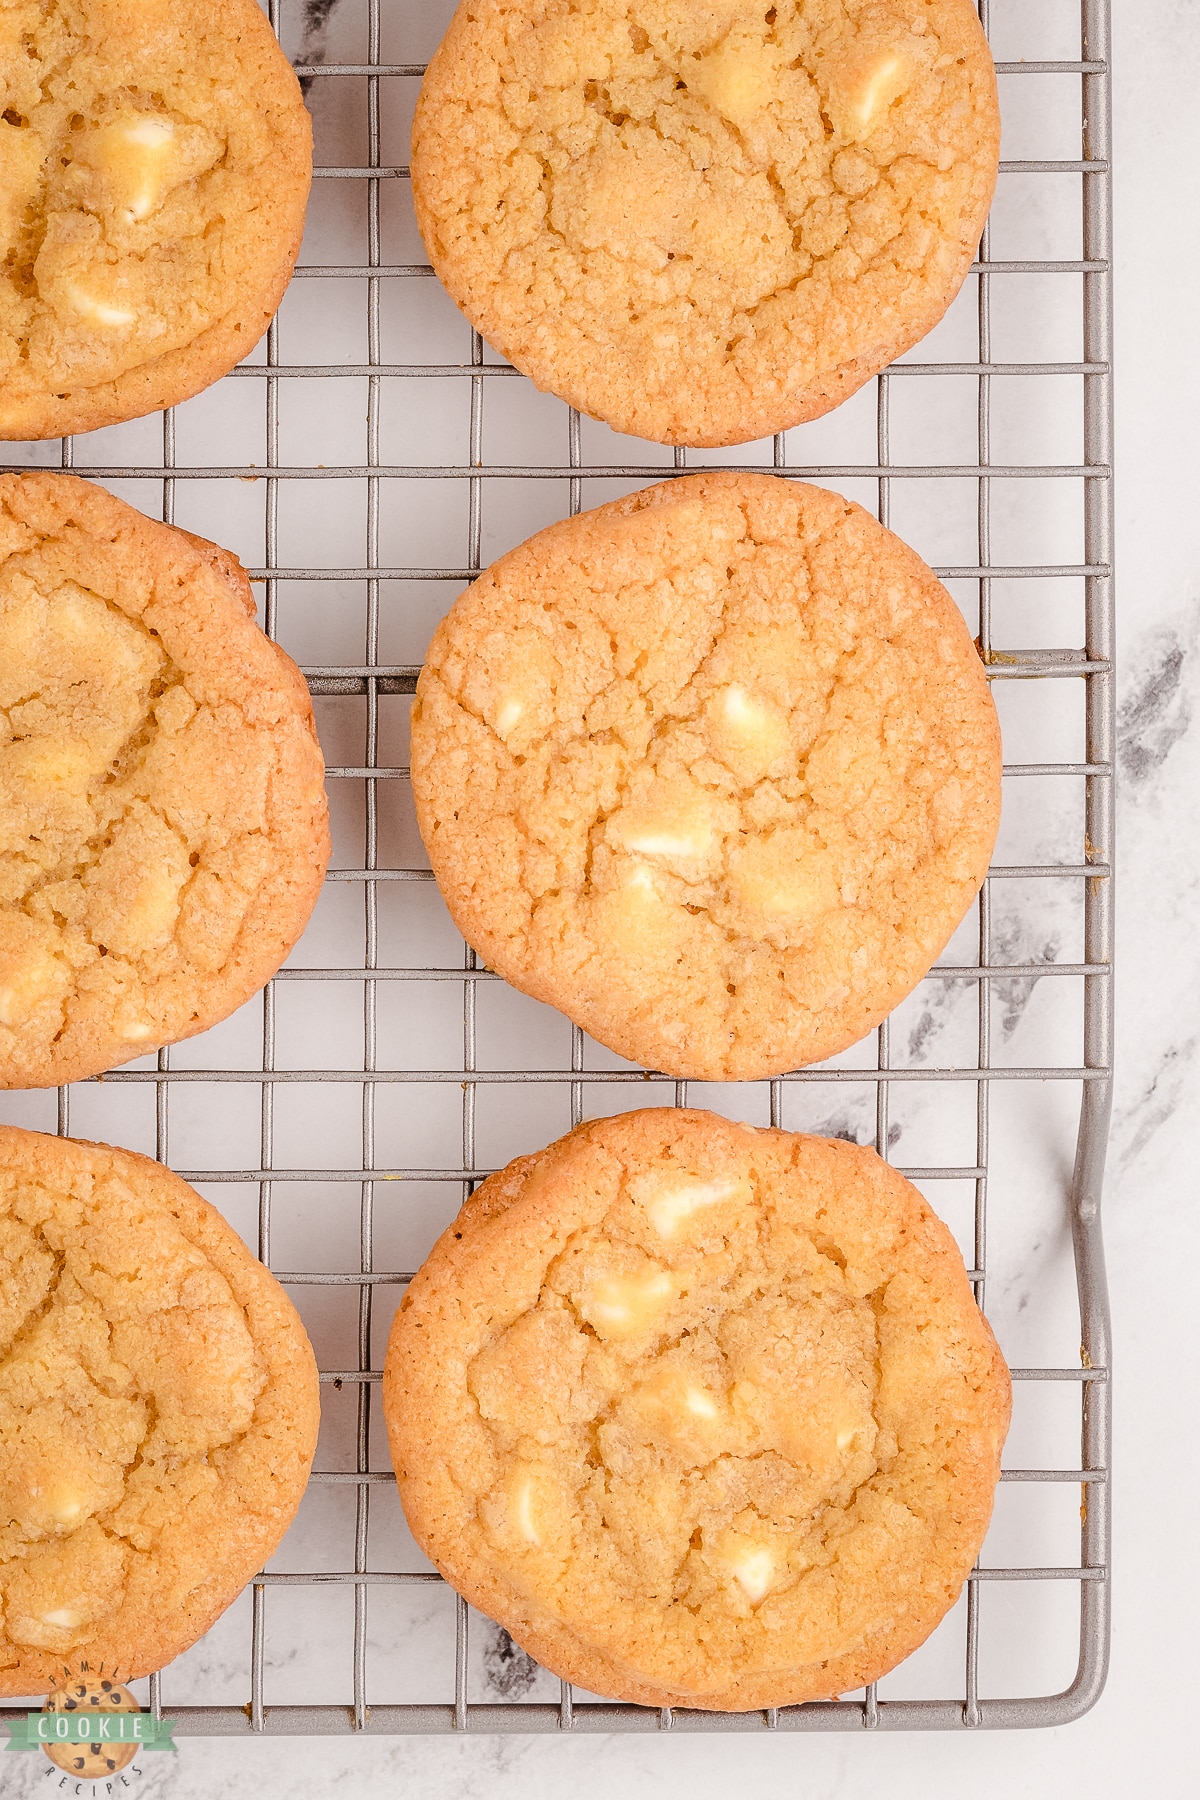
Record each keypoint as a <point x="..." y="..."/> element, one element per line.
<point x="1136" y="1738"/>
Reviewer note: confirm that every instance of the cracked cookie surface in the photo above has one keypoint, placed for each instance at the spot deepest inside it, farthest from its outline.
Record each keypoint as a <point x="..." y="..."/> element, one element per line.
<point x="714" y="770"/>
<point x="705" y="221"/>
<point x="163" y="823"/>
<point x="702" y="1415"/>
<point x="158" y="1411"/>
<point x="155" y="160"/>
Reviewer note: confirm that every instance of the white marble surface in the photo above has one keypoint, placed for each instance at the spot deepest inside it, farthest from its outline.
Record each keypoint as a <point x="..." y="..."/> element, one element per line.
<point x="1137" y="1735"/>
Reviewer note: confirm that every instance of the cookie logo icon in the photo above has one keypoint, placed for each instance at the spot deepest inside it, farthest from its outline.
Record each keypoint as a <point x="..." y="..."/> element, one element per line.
<point x="97" y="1757"/>
<point x="91" y="1726"/>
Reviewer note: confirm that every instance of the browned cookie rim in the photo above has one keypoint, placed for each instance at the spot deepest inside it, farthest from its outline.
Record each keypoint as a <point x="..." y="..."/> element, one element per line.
<point x="253" y="295"/>
<point x="461" y="1287"/>
<point x="449" y="809"/>
<point x="206" y="586"/>
<point x="286" y="1416"/>
<point x="616" y="388"/>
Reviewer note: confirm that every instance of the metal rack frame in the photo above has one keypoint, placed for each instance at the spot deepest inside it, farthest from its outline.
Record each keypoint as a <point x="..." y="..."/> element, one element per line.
<point x="1090" y="662"/>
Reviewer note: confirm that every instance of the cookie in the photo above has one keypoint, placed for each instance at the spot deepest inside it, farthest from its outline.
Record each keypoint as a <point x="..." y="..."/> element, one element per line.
<point x="158" y="1412"/>
<point x="92" y="1693"/>
<point x="163" y="824"/>
<point x="702" y="1415"/>
<point x="705" y="221"/>
<point x="155" y="161"/>
<point x="714" y="770"/>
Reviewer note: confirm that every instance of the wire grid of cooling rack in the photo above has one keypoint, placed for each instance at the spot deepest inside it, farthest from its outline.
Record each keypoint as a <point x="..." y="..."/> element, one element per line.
<point x="1088" y="663"/>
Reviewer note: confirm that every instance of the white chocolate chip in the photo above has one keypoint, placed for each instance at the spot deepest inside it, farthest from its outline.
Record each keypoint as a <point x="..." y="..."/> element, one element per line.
<point x="673" y="1206"/>
<point x="676" y="825"/>
<point x="751" y="1564"/>
<point x="509" y="714"/>
<point x="749" y="732"/>
<point x="662" y="840"/>
<point x="66" y="1507"/>
<point x="154" y="909"/>
<point x="521" y="1508"/>
<point x="64" y="1618"/>
<point x="622" y="1306"/>
<point x="699" y="1402"/>
<point x="635" y="903"/>
<point x="149" y="133"/>
<point x="779" y="895"/>
<point x="637" y="915"/>
<point x="883" y="82"/>
<point x="57" y="763"/>
<point x="96" y="311"/>
<point x="136" y="156"/>
<point x="151" y="137"/>
<point x="739" y="78"/>
<point x="675" y="1407"/>
<point x="25" y="987"/>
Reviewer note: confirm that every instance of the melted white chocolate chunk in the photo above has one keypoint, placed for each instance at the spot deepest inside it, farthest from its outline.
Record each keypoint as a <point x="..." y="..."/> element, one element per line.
<point x="748" y="732"/>
<point x="624" y="1306"/>
<point x="676" y="1407"/>
<point x="80" y="626"/>
<point x="675" y="824"/>
<point x="154" y="909"/>
<point x="751" y="1564"/>
<point x="521" y="1507"/>
<point x="57" y="762"/>
<point x="55" y="1509"/>
<point x="25" y="986"/>
<point x="699" y="1402"/>
<point x="637" y="916"/>
<point x="525" y="1509"/>
<point x="64" y="1506"/>
<point x="664" y="839"/>
<point x="640" y="886"/>
<point x="136" y="155"/>
<point x="63" y="1618"/>
<point x="882" y="82"/>
<point x="676" y="1205"/>
<point x="739" y="78"/>
<point x="509" y="714"/>
<point x="95" y="310"/>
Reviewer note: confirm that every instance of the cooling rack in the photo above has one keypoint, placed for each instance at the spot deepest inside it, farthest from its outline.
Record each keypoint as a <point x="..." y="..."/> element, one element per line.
<point x="369" y="458"/>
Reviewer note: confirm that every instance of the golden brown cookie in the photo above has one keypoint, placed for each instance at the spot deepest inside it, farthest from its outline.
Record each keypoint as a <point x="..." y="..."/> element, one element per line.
<point x="163" y="825"/>
<point x="713" y="769"/>
<point x="702" y="1415"/>
<point x="705" y="220"/>
<point x="158" y="1411"/>
<point x="155" y="160"/>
